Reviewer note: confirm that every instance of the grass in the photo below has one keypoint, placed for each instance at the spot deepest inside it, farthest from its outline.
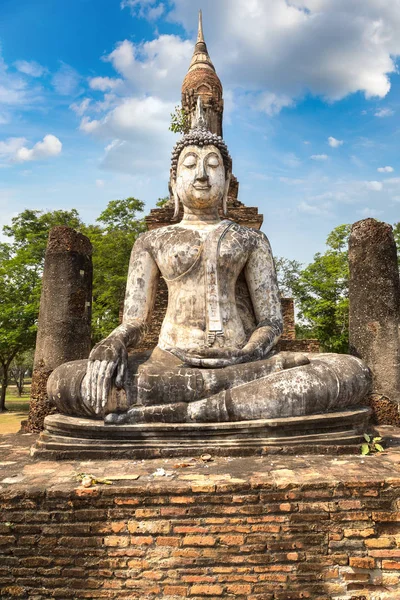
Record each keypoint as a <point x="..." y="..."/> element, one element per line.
<point x="18" y="409"/>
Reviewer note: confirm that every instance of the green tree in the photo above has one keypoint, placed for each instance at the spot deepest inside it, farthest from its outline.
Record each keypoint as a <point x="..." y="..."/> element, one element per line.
<point x="117" y="230"/>
<point x="21" y="266"/>
<point x="288" y="273"/>
<point x="321" y="292"/>
<point x="21" y="364"/>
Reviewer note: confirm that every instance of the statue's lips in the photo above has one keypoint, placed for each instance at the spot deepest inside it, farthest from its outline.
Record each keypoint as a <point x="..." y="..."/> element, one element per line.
<point x="202" y="187"/>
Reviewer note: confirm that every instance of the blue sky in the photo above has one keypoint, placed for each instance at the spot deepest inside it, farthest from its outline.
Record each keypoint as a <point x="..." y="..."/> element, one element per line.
<point x="312" y="105"/>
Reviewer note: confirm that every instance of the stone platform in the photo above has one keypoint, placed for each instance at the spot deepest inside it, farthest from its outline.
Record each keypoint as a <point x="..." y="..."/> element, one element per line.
<point x="255" y="528"/>
<point x="328" y="433"/>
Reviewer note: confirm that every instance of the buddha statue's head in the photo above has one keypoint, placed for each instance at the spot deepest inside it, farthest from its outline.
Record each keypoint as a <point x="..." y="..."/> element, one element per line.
<point x="201" y="168"/>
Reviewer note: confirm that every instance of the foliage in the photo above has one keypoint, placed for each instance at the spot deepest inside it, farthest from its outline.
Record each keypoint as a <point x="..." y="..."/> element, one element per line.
<point x="372" y="445"/>
<point x="162" y="201"/>
<point x="288" y="273"/>
<point x="22" y="363"/>
<point x="180" y="121"/>
<point x="118" y="229"/>
<point x="321" y="292"/>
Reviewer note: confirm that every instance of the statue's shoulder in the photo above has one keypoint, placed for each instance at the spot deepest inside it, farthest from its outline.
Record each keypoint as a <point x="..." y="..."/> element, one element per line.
<point x="253" y="236"/>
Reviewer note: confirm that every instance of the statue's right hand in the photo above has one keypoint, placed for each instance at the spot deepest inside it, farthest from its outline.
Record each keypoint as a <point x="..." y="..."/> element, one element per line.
<point x="106" y="358"/>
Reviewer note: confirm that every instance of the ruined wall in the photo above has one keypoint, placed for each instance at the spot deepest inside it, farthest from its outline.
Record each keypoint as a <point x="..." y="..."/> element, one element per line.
<point x="248" y="541"/>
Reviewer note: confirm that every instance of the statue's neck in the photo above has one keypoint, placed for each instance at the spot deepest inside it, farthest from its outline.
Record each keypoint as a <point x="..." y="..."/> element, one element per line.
<point x="200" y="217"/>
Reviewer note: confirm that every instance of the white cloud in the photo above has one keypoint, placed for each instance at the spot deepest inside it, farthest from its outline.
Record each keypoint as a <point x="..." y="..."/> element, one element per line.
<point x="294" y="48"/>
<point x="374" y="186"/>
<point x="150" y="9"/>
<point x="385" y="169"/>
<point x="384" y="112"/>
<point x="48" y="147"/>
<point x="66" y="80"/>
<point x="31" y="68"/>
<point x="319" y="157"/>
<point x="156" y="67"/>
<point x="103" y="84"/>
<point x="369" y="212"/>
<point x="132" y="119"/>
<point x="100" y="183"/>
<point x="272" y="104"/>
<point x="81" y="107"/>
<point x="10" y="146"/>
<point x="334" y="143"/>
<point x="291" y="181"/>
<point x="316" y="210"/>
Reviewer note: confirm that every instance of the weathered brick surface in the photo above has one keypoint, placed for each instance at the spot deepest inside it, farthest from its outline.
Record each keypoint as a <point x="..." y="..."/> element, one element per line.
<point x="247" y="540"/>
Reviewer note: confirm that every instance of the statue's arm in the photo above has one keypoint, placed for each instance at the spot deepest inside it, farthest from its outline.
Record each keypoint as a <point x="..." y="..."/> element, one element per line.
<point x="110" y="356"/>
<point x="263" y="287"/>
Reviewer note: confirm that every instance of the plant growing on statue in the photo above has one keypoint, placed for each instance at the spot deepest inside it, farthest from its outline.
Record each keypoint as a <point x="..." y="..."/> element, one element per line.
<point x="371" y="446"/>
<point x="180" y="121"/>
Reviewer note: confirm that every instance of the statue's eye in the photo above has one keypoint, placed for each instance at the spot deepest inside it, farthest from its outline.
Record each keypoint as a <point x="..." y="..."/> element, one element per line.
<point x="190" y="161"/>
<point x="213" y="161"/>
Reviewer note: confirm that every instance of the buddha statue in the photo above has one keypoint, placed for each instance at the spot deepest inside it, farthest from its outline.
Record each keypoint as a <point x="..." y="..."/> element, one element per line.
<point x="216" y="358"/>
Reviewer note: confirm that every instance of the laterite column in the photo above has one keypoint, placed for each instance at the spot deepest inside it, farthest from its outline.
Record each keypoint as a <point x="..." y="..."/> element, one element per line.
<point x="64" y="332"/>
<point x="375" y="304"/>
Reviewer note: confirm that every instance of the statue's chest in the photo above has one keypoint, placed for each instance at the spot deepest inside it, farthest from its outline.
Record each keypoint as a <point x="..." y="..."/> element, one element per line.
<point x="187" y="256"/>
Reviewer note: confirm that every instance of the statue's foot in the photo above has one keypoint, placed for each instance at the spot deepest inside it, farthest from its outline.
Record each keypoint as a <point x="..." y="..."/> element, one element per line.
<point x="116" y="419"/>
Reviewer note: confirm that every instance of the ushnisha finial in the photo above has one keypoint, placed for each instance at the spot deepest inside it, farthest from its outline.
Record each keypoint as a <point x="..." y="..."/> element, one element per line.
<point x="201" y="59"/>
<point x="200" y="35"/>
<point x="200" y="118"/>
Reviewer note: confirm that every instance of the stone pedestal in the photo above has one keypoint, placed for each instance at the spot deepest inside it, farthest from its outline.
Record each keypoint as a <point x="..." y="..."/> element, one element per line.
<point x="375" y="304"/>
<point x="65" y="313"/>
<point x="73" y="438"/>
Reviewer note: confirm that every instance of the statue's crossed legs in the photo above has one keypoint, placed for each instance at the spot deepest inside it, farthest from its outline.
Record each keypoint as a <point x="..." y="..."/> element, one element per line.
<point x="161" y="389"/>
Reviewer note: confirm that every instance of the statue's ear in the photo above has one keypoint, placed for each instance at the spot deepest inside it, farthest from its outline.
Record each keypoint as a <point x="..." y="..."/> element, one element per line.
<point x="176" y="199"/>
<point x="226" y="191"/>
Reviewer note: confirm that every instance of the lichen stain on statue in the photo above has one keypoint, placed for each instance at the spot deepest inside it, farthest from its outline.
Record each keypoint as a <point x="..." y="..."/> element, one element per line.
<point x="215" y="359"/>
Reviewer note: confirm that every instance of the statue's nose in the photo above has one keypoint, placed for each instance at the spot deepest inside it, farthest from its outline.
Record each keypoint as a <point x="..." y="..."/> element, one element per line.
<point x="201" y="174"/>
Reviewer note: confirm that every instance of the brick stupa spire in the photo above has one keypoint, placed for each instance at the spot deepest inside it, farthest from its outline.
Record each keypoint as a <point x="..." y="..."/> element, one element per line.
<point x="202" y="80"/>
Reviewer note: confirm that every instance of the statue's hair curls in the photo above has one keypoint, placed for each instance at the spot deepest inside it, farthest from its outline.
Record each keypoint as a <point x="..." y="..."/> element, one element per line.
<point x="200" y="136"/>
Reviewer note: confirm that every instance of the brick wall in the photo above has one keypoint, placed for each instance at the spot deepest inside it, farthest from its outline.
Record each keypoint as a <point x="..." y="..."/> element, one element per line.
<point x="173" y="540"/>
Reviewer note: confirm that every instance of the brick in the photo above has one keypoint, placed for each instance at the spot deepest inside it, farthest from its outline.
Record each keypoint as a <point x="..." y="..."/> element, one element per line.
<point x="349" y="533"/>
<point x="176" y="590"/>
<point x="142" y="513"/>
<point x="358" y="562"/>
<point x="204" y="488"/>
<point x="141" y="540"/>
<point x="239" y="589"/>
<point x="199" y="540"/>
<point x="206" y="590"/>
<point x="168" y="541"/>
<point x="116" y="541"/>
<point x="160" y="526"/>
<point x="382" y="542"/>
<point x="391" y="565"/>
<point x="231" y="540"/>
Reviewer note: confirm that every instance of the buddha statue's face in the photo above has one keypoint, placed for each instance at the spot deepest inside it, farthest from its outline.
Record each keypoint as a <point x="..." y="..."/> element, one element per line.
<point x="201" y="180"/>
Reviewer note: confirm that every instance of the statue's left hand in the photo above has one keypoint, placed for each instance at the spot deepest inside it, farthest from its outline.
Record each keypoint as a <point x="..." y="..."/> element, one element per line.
<point x="106" y="358"/>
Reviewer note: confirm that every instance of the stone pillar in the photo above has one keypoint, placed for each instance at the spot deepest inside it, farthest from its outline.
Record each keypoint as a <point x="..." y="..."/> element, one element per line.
<point x="374" y="290"/>
<point x="64" y="332"/>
